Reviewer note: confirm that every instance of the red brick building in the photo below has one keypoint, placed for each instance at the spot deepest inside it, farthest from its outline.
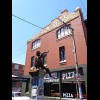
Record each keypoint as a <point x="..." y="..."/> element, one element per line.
<point x="17" y="70"/>
<point x="56" y="38"/>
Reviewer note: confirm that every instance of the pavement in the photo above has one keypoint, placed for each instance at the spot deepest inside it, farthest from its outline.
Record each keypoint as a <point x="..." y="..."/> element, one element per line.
<point x="57" y="98"/>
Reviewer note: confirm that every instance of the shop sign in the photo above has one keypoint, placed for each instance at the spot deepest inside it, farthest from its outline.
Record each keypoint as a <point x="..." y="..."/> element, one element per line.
<point x="51" y="80"/>
<point x="68" y="75"/>
<point x="68" y="95"/>
<point x="20" y="79"/>
<point x="16" y="89"/>
<point x="54" y="75"/>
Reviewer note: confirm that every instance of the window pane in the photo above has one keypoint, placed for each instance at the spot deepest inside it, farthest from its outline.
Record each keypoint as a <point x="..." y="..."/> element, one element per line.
<point x="36" y="44"/>
<point x="69" y="31"/>
<point x="62" y="53"/>
<point x="45" y="62"/>
<point x="32" y="61"/>
<point x="16" y="66"/>
<point x="58" y="34"/>
<point x="15" y="73"/>
<point x="33" y="45"/>
<point x="39" y="43"/>
<point x="62" y="32"/>
<point x="66" y="31"/>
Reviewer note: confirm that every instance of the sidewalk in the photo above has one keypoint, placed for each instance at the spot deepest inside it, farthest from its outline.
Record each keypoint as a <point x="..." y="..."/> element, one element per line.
<point x="57" y="98"/>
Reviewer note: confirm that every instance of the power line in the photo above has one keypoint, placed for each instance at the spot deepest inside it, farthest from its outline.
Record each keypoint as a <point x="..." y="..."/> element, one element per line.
<point x="18" y="55"/>
<point x="83" y="5"/>
<point x="27" y="21"/>
<point x="20" y="49"/>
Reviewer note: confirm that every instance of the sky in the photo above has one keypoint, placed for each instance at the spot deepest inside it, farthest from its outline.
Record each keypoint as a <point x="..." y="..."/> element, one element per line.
<point x="37" y="12"/>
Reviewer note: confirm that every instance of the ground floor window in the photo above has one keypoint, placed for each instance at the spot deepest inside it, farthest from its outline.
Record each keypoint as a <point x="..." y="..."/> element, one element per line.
<point x="51" y="89"/>
<point x="68" y="90"/>
<point x="55" y="90"/>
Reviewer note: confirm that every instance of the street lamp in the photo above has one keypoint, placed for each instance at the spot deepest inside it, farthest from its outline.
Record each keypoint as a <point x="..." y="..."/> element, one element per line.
<point x="76" y="62"/>
<point x="75" y="55"/>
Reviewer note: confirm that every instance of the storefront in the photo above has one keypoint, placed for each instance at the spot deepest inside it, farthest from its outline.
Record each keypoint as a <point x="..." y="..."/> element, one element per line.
<point x="51" y="85"/>
<point x="16" y="80"/>
<point x="63" y="84"/>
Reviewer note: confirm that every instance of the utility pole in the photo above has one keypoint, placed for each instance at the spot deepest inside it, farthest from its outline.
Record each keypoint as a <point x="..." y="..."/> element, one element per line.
<point x="76" y="60"/>
<point x="77" y="71"/>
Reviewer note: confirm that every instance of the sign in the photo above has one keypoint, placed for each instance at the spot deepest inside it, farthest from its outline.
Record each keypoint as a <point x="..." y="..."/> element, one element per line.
<point x="69" y="95"/>
<point x="54" y="77"/>
<point x="34" y="91"/>
<point x="15" y="79"/>
<point x="16" y="89"/>
<point x="53" y="74"/>
<point x="68" y="75"/>
<point x="40" y="88"/>
<point x="78" y="77"/>
<point x="51" y="80"/>
<point x="34" y="88"/>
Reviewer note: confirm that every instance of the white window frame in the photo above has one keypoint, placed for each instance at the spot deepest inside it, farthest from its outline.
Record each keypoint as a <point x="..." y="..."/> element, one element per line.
<point x="63" y="32"/>
<point x="64" y="60"/>
<point x="36" y="44"/>
<point x="32" y="61"/>
<point x="16" y="66"/>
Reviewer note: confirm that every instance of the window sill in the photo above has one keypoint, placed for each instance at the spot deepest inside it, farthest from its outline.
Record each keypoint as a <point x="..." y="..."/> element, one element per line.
<point x="63" y="62"/>
<point x="63" y="37"/>
<point x="45" y="65"/>
<point x="35" y="48"/>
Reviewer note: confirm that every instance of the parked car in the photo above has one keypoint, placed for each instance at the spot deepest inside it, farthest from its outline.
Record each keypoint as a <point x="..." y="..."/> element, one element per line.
<point x="19" y="96"/>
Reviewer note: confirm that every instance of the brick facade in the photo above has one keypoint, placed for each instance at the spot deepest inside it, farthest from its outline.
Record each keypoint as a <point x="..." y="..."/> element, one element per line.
<point x="17" y="71"/>
<point x="51" y="43"/>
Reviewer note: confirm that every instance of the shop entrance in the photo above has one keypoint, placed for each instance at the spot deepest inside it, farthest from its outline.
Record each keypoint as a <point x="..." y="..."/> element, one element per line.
<point x="18" y="79"/>
<point x="47" y="89"/>
<point x="51" y="89"/>
<point x="70" y="90"/>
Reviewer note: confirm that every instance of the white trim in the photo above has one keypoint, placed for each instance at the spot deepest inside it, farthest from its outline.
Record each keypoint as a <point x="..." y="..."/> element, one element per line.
<point x="63" y="61"/>
<point x="14" y="76"/>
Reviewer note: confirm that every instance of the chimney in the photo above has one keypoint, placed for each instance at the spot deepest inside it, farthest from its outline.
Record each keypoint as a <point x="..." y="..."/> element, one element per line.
<point x="64" y="11"/>
<point x="78" y="9"/>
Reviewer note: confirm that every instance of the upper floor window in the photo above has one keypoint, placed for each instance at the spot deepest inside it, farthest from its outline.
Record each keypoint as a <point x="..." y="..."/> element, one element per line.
<point x="15" y="73"/>
<point x="32" y="61"/>
<point x="62" y="32"/>
<point x="62" y="54"/>
<point x="36" y="44"/>
<point x="45" y="61"/>
<point x="13" y="84"/>
<point x="16" y="66"/>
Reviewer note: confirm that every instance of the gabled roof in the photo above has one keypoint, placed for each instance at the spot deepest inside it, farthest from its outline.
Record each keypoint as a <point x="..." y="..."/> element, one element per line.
<point x="65" y="16"/>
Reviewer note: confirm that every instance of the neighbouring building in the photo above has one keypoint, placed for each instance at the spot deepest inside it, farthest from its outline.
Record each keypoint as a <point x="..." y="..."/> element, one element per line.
<point x="17" y="70"/>
<point x="57" y="38"/>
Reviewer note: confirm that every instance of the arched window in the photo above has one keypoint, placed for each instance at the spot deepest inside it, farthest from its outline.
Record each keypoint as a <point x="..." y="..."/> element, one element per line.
<point x="36" y="44"/>
<point x="62" y="32"/>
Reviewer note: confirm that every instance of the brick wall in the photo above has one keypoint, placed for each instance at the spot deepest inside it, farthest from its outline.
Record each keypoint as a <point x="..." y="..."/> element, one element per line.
<point x="19" y="71"/>
<point x="51" y="43"/>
